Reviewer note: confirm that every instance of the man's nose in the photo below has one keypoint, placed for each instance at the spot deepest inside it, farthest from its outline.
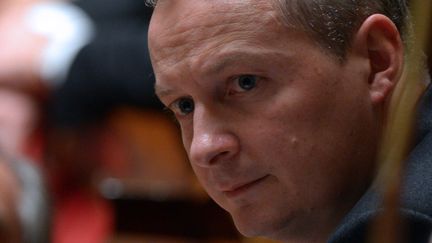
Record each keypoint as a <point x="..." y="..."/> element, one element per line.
<point x="212" y="143"/>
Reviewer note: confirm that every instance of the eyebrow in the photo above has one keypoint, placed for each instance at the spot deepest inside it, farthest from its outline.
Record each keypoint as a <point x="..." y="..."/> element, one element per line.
<point x="162" y="91"/>
<point x="213" y="68"/>
<point x="221" y="64"/>
<point x="230" y="59"/>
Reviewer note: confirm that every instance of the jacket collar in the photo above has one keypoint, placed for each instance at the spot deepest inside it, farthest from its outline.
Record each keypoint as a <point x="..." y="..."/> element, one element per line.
<point x="417" y="184"/>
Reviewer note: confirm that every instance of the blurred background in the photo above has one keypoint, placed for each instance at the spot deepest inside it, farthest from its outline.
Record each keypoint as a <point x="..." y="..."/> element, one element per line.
<point x="87" y="153"/>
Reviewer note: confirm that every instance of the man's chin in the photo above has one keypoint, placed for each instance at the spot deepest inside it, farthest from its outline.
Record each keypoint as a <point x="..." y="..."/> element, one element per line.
<point x="257" y="226"/>
<point x="287" y="228"/>
<point x="249" y="230"/>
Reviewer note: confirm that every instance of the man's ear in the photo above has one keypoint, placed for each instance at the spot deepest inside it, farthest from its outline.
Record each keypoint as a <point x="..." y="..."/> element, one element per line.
<point x="378" y="40"/>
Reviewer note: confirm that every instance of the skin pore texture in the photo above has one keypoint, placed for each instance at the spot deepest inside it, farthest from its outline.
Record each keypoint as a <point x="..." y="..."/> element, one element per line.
<point x="280" y="134"/>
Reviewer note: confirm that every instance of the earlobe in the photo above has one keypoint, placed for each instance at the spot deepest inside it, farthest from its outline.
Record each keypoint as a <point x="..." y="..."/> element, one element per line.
<point x="383" y="48"/>
<point x="381" y="90"/>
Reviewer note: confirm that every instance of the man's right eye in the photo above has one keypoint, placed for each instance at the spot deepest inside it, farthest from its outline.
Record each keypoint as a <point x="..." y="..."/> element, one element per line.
<point x="184" y="106"/>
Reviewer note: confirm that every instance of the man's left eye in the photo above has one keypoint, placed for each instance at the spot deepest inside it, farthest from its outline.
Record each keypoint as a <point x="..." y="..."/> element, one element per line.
<point x="246" y="82"/>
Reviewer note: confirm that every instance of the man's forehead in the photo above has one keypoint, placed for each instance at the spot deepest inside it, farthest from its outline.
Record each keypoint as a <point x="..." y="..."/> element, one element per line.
<point x="190" y="22"/>
<point x="174" y="3"/>
<point x="189" y="13"/>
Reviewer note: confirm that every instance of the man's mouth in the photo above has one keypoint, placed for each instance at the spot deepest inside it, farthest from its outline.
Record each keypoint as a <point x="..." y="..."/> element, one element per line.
<point x="243" y="188"/>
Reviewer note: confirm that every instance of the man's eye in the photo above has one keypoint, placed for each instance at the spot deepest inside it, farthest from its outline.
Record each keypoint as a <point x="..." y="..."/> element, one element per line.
<point x="184" y="106"/>
<point x="246" y="82"/>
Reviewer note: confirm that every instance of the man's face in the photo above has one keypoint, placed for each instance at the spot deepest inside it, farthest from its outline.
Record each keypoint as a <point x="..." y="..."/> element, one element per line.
<point x="280" y="134"/>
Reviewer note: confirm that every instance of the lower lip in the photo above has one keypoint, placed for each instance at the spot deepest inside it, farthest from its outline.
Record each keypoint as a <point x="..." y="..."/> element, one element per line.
<point x="243" y="189"/>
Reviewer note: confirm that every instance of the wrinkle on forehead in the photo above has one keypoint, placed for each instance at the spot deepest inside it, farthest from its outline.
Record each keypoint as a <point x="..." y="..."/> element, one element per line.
<point x="207" y="25"/>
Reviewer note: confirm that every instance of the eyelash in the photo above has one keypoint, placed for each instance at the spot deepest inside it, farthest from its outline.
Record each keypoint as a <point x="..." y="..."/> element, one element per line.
<point x="236" y="82"/>
<point x="177" y="110"/>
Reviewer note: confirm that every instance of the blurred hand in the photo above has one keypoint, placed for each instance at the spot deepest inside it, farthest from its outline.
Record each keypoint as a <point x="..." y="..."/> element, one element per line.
<point x="20" y="48"/>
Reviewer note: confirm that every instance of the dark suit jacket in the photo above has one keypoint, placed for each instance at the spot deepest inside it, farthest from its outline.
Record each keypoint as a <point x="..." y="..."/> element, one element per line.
<point x="113" y="70"/>
<point x="416" y="209"/>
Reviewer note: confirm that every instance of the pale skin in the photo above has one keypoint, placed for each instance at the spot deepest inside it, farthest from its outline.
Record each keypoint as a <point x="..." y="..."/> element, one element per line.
<point x="20" y="60"/>
<point x="20" y="48"/>
<point x="279" y="133"/>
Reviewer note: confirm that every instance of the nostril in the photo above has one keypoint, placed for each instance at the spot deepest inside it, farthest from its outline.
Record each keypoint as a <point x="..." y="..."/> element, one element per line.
<point x="209" y="149"/>
<point x="219" y="156"/>
<point x="212" y="155"/>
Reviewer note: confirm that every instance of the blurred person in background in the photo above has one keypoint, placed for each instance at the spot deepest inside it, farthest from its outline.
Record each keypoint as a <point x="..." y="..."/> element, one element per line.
<point x="88" y="57"/>
<point x="77" y="60"/>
